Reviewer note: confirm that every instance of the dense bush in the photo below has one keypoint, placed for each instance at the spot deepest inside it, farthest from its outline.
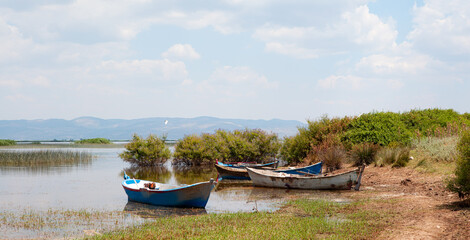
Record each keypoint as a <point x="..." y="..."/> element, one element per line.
<point x="295" y="149"/>
<point x="380" y="128"/>
<point x="435" y="122"/>
<point x="7" y="142"/>
<point x="237" y="146"/>
<point x="194" y="149"/>
<point x="94" y="141"/>
<point x="146" y="152"/>
<point x="461" y="183"/>
<point x="301" y="146"/>
<point x="387" y="129"/>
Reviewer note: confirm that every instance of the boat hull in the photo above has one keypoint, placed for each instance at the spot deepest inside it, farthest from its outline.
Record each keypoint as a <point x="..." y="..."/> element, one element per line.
<point x="226" y="172"/>
<point x="266" y="178"/>
<point x="312" y="169"/>
<point x="195" y="195"/>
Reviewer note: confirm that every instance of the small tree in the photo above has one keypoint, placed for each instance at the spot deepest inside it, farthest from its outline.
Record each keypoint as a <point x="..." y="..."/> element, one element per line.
<point x="461" y="183"/>
<point x="146" y="152"/>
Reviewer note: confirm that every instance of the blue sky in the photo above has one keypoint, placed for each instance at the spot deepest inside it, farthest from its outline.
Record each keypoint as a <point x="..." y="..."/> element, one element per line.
<point x="231" y="58"/>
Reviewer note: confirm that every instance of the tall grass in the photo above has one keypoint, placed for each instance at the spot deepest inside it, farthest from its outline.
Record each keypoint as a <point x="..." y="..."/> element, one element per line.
<point x="394" y="156"/>
<point x="436" y="148"/>
<point x="435" y="154"/>
<point x="32" y="158"/>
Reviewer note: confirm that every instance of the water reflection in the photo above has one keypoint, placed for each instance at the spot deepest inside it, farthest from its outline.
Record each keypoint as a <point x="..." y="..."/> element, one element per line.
<point x="150" y="211"/>
<point x="43" y="170"/>
<point x="156" y="173"/>
<point x="190" y="175"/>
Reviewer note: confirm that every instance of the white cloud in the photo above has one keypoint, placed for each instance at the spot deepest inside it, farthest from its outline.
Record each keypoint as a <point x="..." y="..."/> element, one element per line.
<point x="442" y="28"/>
<point x="368" y="29"/>
<point x="355" y="28"/>
<point x="241" y="76"/>
<point x="342" y="81"/>
<point x="143" y="70"/>
<point x="181" y="51"/>
<point x="393" y="64"/>
<point x="291" y="50"/>
<point x="13" y="44"/>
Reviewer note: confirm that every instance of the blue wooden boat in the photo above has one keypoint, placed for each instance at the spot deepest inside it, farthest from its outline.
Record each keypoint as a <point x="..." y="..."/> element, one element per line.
<point x="248" y="164"/>
<point x="227" y="172"/>
<point x="159" y="194"/>
<point x="314" y="169"/>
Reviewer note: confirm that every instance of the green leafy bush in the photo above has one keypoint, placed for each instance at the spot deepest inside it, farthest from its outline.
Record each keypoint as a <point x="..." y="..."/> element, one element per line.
<point x="379" y="128"/>
<point x="94" y="141"/>
<point x="7" y="142"/>
<point x="461" y="183"/>
<point x="435" y="122"/>
<point x="237" y="146"/>
<point x="301" y="146"/>
<point x="146" y="152"/>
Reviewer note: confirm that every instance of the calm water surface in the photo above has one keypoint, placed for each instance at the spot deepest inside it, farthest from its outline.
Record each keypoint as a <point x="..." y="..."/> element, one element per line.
<point x="97" y="186"/>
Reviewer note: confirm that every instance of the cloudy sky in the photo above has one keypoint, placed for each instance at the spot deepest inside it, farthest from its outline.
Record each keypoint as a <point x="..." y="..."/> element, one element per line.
<point x="231" y="58"/>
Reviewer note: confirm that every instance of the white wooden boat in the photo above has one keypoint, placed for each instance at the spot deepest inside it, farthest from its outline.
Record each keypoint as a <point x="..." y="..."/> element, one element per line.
<point x="268" y="178"/>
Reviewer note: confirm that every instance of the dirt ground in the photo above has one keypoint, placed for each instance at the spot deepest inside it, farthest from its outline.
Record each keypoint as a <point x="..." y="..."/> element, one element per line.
<point x="422" y="207"/>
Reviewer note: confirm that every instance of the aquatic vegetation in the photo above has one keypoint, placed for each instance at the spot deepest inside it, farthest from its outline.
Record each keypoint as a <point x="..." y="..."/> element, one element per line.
<point x="61" y="223"/>
<point x="32" y="158"/>
<point x="146" y="152"/>
<point x="7" y="142"/>
<point x="249" y="145"/>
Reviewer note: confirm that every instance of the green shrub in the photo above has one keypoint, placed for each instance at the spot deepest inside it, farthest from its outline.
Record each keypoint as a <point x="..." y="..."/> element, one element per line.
<point x="379" y="128"/>
<point x="295" y="149"/>
<point x="94" y="141"/>
<point x="193" y="149"/>
<point x="301" y="146"/>
<point x="7" y="142"/>
<point x="146" y="152"/>
<point x="461" y="183"/>
<point x="363" y="153"/>
<point x="237" y="146"/>
<point x="434" y="122"/>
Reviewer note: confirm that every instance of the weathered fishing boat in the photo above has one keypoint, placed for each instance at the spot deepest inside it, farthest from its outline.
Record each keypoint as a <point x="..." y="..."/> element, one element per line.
<point x="194" y="195"/>
<point x="227" y="172"/>
<point x="267" y="178"/>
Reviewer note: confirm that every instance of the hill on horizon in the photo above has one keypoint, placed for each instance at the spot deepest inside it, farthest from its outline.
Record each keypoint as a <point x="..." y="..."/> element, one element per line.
<point x="121" y="129"/>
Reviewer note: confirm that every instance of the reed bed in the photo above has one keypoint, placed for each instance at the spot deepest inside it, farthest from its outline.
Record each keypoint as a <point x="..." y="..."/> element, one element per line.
<point x="34" y="158"/>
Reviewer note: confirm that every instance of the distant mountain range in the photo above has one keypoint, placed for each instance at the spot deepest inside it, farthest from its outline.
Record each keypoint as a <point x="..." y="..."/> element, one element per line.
<point x="120" y="129"/>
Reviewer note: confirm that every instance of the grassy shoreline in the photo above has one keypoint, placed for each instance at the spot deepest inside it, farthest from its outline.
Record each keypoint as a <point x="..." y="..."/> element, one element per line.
<point x="298" y="219"/>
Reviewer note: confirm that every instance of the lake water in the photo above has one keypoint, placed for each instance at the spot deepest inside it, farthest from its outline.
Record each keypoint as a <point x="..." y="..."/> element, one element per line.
<point x="96" y="186"/>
